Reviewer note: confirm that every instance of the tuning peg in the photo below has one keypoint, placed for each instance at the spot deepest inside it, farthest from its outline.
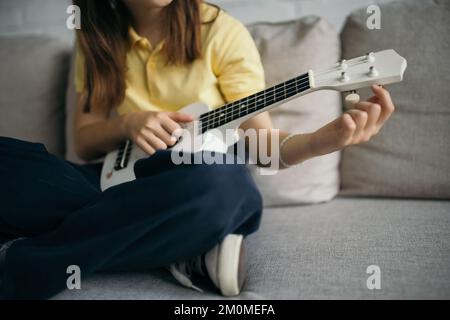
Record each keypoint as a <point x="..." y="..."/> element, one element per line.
<point x="370" y="57"/>
<point x="372" y="72"/>
<point x="351" y="99"/>
<point x="343" y="64"/>
<point x="344" y="77"/>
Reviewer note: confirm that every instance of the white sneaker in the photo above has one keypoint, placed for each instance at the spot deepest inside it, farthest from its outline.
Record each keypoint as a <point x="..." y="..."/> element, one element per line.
<point x="225" y="264"/>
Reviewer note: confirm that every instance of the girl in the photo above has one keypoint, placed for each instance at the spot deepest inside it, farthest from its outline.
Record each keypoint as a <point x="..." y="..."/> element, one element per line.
<point x="137" y="63"/>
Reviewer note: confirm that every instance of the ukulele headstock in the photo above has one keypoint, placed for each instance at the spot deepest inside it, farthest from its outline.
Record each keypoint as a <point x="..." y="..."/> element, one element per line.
<point x="383" y="67"/>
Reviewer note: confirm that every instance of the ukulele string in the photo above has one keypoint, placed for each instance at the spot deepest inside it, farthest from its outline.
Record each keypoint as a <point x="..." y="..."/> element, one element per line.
<point x="271" y="94"/>
<point x="269" y="97"/>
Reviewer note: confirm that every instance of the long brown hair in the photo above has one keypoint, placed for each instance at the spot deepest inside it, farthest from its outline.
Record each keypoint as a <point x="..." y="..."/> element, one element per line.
<point x="104" y="41"/>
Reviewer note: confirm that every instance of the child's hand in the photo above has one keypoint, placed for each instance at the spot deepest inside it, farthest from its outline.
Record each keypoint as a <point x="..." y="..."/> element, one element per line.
<point x="153" y="131"/>
<point x="356" y="125"/>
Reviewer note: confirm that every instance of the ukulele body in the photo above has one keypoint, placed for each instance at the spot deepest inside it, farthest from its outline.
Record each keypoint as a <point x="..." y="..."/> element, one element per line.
<point x="118" y="165"/>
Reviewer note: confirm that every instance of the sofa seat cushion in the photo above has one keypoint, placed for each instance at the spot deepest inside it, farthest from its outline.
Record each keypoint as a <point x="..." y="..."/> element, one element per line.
<point x="322" y="252"/>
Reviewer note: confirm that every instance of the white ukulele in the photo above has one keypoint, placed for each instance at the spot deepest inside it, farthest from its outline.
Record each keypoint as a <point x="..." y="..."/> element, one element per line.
<point x="380" y="68"/>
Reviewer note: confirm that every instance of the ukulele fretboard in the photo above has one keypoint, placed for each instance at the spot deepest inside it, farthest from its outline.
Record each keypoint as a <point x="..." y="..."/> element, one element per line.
<point x="254" y="103"/>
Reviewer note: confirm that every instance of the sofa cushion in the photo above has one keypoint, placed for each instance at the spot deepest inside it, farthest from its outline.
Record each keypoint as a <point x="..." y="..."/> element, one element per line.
<point x="411" y="156"/>
<point x="33" y="75"/>
<point x="289" y="49"/>
<point x="321" y="252"/>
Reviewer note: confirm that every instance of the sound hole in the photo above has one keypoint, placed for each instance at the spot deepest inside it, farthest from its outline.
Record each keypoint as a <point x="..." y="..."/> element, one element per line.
<point x="123" y="156"/>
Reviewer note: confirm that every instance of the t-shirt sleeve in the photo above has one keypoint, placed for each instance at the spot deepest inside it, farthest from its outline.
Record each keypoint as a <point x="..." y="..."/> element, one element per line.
<point x="79" y="73"/>
<point x="237" y="63"/>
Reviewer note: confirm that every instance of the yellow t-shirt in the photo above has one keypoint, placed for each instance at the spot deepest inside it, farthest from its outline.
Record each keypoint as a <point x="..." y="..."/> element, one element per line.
<point x="230" y="69"/>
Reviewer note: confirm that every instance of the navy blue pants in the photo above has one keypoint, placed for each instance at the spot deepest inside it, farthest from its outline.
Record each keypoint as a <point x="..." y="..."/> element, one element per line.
<point x="169" y="213"/>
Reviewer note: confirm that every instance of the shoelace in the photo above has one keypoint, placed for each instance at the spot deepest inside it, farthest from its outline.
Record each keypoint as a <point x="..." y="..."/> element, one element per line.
<point x="182" y="272"/>
<point x="4" y="247"/>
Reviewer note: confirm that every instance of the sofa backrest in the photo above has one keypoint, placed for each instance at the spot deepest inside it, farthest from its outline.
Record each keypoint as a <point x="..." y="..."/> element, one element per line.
<point x="33" y="78"/>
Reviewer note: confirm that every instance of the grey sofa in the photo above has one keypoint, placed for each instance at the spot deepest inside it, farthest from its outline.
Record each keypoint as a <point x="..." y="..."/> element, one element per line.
<point x="393" y="208"/>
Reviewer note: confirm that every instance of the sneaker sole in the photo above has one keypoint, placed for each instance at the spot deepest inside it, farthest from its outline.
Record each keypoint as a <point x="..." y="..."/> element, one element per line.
<point x="232" y="264"/>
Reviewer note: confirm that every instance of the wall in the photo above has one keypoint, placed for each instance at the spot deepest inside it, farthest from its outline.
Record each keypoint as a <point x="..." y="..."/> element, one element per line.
<point x="34" y="17"/>
<point x="334" y="11"/>
<point x="48" y="16"/>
